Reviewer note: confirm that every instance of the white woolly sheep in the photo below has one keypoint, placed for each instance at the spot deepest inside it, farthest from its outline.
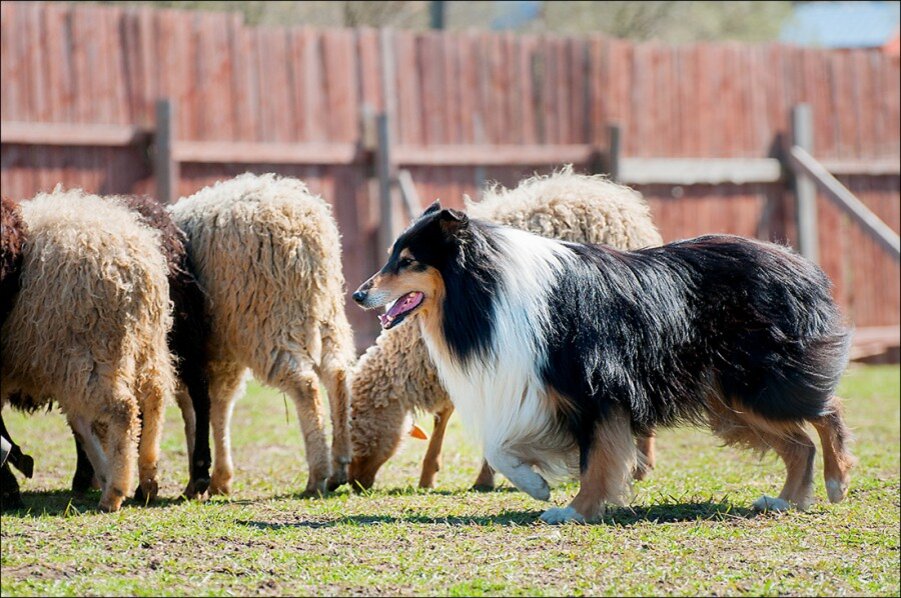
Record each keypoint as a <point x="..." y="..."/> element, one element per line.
<point x="395" y="378"/>
<point x="267" y="254"/>
<point x="88" y="330"/>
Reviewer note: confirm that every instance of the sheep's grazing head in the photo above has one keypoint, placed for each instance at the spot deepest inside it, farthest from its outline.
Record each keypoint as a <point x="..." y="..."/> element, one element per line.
<point x="377" y="429"/>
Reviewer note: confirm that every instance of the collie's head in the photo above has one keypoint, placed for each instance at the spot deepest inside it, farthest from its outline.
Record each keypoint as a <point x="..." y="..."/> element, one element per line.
<point x="411" y="281"/>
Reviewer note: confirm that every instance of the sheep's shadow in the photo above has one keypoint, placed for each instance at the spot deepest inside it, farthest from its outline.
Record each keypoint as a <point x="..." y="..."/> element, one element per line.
<point x="63" y="503"/>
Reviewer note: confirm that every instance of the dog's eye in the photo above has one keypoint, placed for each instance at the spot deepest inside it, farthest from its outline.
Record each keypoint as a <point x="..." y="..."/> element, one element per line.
<point x="405" y="262"/>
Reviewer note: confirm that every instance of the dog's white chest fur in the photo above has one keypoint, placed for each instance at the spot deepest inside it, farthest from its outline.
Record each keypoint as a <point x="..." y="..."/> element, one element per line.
<point x="501" y="396"/>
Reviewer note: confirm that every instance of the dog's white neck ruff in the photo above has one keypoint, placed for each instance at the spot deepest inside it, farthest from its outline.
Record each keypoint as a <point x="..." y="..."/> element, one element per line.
<point x="501" y="396"/>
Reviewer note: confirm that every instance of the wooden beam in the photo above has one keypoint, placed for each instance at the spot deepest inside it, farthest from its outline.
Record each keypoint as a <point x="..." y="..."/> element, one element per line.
<point x="805" y="164"/>
<point x="698" y="171"/>
<point x="492" y="155"/>
<point x="805" y="193"/>
<point x="35" y="133"/>
<point x="385" y="167"/>
<point x="248" y="152"/>
<point x="614" y="152"/>
<point x="864" y="167"/>
<point x="409" y="194"/>
<point x="166" y="169"/>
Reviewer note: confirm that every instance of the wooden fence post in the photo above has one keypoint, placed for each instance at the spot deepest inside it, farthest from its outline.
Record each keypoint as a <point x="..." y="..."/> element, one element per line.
<point x="165" y="166"/>
<point x="805" y="191"/>
<point x="613" y="152"/>
<point x="386" y="171"/>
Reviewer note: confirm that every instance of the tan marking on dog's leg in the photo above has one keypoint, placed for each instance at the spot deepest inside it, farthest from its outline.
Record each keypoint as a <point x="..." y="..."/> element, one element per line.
<point x="431" y="463"/>
<point x="607" y="474"/>
<point x="646" y="457"/>
<point x="225" y="388"/>
<point x="797" y="452"/>
<point x="304" y="389"/>
<point x="837" y="459"/>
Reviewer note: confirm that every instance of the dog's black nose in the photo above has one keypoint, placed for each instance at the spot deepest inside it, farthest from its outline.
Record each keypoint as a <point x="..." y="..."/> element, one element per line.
<point x="360" y="296"/>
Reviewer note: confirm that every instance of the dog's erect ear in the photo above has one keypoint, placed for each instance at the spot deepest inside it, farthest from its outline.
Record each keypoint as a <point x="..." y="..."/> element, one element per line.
<point x="436" y="205"/>
<point x="452" y="220"/>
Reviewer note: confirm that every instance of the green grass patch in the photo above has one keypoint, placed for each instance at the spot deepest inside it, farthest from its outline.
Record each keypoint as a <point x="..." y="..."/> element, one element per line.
<point x="688" y="530"/>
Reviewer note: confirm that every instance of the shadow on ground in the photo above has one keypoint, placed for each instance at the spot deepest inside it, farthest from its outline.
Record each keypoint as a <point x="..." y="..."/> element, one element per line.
<point x="622" y="516"/>
<point x="66" y="504"/>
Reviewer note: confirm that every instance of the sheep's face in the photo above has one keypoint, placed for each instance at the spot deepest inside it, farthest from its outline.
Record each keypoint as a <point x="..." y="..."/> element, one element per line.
<point x="411" y="280"/>
<point x="376" y="432"/>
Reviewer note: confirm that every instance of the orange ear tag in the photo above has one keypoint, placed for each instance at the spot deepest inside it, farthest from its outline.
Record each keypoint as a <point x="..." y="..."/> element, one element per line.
<point x="419" y="433"/>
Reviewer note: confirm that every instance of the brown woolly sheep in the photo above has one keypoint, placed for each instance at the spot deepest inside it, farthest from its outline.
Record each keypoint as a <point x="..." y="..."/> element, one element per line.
<point x="396" y="378"/>
<point x="267" y="254"/>
<point x="88" y="330"/>
<point x="187" y="341"/>
<point x="12" y="237"/>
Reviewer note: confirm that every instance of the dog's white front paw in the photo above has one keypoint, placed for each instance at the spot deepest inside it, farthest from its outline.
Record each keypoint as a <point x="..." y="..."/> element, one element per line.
<point x="557" y="515"/>
<point x="537" y="488"/>
<point x="768" y="503"/>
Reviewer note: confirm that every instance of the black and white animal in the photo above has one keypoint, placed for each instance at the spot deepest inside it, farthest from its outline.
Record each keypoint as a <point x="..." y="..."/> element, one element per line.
<point x="556" y="353"/>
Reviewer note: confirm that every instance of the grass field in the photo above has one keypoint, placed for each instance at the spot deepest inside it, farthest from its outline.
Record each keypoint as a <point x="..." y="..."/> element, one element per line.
<point x="688" y="530"/>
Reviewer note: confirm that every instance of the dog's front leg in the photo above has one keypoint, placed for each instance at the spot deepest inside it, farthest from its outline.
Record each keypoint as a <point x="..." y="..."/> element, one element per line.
<point x="518" y="472"/>
<point x="606" y="471"/>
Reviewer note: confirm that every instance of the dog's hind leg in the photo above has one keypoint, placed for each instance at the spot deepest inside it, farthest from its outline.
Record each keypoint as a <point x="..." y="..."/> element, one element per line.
<point x="518" y="472"/>
<point x="837" y="459"/>
<point x="431" y="463"/>
<point x="606" y="463"/>
<point x="797" y="451"/>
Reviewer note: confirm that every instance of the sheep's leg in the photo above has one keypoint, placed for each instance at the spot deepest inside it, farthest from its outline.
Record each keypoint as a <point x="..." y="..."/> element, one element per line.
<point x="91" y="446"/>
<point x="225" y="387"/>
<point x="17" y="458"/>
<point x="485" y="481"/>
<point x="338" y="388"/>
<point x="152" y="403"/>
<point x="10" y="497"/>
<point x="194" y="402"/>
<point x="646" y="458"/>
<point x="304" y="389"/>
<point x="431" y="463"/>
<point x="84" y="478"/>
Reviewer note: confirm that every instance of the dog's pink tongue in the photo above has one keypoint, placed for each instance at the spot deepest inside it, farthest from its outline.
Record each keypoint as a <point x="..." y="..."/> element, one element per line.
<point x="405" y="303"/>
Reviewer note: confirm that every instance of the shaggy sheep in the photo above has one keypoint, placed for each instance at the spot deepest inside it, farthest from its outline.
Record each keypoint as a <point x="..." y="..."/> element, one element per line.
<point x="187" y="341"/>
<point x="395" y="377"/>
<point x="267" y="254"/>
<point x="88" y="330"/>
<point x="12" y="237"/>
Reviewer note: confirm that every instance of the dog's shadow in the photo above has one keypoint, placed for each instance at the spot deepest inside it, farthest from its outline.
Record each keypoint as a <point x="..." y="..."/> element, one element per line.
<point x="63" y="503"/>
<point x="660" y="514"/>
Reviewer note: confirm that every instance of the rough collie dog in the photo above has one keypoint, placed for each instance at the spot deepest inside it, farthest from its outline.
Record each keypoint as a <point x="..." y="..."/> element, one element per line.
<point x="556" y="353"/>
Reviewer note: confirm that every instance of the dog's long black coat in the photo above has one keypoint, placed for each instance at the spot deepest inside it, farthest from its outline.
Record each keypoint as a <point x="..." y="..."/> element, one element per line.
<point x="661" y="332"/>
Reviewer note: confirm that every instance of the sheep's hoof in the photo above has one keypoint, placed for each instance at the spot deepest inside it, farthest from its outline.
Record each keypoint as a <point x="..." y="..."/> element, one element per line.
<point x="483" y="487"/>
<point x="337" y="480"/>
<point x="147" y="492"/>
<point x="315" y="489"/>
<point x="196" y="488"/>
<point x="220" y="484"/>
<point x="640" y="472"/>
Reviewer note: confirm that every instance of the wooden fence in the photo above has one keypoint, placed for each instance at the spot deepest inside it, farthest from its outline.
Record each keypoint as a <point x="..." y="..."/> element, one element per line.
<point x="80" y="86"/>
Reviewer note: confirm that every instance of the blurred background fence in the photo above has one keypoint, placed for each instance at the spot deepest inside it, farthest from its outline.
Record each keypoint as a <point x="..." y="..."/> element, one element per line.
<point x="81" y="90"/>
